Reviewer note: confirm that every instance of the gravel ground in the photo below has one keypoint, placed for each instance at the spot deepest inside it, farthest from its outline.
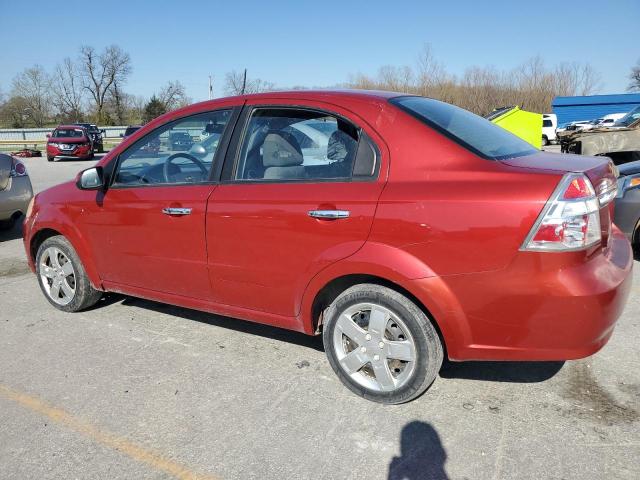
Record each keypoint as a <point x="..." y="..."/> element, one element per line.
<point x="137" y="389"/>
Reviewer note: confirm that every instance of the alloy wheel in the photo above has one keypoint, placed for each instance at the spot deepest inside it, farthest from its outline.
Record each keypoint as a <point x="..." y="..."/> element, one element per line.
<point x="374" y="347"/>
<point x="57" y="275"/>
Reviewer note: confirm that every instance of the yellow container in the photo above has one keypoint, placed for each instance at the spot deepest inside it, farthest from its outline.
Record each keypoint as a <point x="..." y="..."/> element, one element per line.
<point x="526" y="125"/>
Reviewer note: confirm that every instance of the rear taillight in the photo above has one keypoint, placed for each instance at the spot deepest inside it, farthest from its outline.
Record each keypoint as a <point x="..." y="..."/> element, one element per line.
<point x="570" y="220"/>
<point x="18" y="169"/>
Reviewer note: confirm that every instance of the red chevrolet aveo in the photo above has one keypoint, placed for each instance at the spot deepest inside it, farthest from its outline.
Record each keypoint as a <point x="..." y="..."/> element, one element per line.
<point x="401" y="228"/>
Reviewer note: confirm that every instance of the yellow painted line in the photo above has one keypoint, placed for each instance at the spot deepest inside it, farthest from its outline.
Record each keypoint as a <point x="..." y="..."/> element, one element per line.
<point x="122" y="445"/>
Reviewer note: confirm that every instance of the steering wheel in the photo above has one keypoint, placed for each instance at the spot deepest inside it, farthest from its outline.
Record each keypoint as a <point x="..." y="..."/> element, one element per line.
<point x="191" y="158"/>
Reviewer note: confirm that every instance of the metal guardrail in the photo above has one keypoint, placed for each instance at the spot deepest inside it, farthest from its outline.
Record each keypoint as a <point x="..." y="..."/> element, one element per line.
<point x="41" y="133"/>
<point x="14" y="145"/>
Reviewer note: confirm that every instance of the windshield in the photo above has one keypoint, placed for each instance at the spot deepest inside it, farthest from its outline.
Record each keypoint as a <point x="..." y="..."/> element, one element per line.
<point x="68" y="133"/>
<point x="469" y="130"/>
<point x="629" y="118"/>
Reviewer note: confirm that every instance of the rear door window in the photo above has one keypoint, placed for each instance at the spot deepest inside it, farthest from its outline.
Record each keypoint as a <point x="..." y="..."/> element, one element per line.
<point x="290" y="144"/>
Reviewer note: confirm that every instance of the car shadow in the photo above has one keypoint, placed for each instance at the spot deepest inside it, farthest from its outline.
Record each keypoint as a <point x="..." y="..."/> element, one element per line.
<point x="243" y="326"/>
<point x="422" y="456"/>
<point x="12" y="233"/>
<point x="512" y="372"/>
<point x="77" y="160"/>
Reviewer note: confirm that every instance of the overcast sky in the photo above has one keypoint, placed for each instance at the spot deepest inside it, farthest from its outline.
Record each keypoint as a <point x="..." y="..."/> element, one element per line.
<point x="317" y="43"/>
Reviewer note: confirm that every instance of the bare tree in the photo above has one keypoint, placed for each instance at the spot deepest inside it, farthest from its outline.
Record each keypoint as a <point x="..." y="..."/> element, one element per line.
<point x="116" y="104"/>
<point x="12" y="113"/>
<point x="634" y="76"/>
<point x="173" y="95"/>
<point x="68" y="93"/>
<point x="234" y="82"/>
<point x="101" y="71"/>
<point x="532" y="85"/>
<point x="33" y="87"/>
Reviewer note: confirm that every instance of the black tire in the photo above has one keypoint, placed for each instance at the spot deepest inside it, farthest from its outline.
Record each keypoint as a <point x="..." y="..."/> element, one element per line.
<point x="100" y="148"/>
<point x="85" y="295"/>
<point x="545" y="141"/>
<point x="50" y="159"/>
<point x="8" y="224"/>
<point x="428" y="348"/>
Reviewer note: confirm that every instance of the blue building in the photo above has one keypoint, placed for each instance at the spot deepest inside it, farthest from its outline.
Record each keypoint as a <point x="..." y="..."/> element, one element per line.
<point x="571" y="109"/>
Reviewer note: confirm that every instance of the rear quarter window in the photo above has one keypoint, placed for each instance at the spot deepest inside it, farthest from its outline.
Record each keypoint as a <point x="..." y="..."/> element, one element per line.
<point x="473" y="132"/>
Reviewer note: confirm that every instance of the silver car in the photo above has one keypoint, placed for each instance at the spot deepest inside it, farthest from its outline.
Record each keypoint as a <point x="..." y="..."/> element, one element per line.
<point x="15" y="190"/>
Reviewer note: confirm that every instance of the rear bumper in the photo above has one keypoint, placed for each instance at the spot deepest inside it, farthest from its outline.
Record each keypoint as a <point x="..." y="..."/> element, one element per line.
<point x="15" y="198"/>
<point x="544" y="306"/>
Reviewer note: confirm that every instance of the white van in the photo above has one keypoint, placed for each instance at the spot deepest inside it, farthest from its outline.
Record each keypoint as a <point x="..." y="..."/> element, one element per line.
<point x="609" y="120"/>
<point x="549" y="125"/>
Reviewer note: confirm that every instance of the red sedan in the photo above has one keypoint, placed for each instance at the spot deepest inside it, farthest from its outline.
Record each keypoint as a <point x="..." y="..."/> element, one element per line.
<point x="400" y="228"/>
<point x="69" y="141"/>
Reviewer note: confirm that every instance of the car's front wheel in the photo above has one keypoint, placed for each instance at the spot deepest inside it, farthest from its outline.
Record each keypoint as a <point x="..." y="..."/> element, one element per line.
<point x="381" y="345"/>
<point x="7" y="224"/>
<point x="62" y="276"/>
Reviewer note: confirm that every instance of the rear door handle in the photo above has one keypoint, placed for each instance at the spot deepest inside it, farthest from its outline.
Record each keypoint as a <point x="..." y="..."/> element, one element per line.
<point x="176" y="211"/>
<point x="329" y="214"/>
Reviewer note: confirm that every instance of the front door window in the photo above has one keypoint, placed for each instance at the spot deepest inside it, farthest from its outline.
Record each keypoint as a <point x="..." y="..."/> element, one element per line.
<point x="181" y="152"/>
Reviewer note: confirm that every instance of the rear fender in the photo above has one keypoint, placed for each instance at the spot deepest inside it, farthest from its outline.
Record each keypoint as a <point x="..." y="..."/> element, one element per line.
<point x="398" y="267"/>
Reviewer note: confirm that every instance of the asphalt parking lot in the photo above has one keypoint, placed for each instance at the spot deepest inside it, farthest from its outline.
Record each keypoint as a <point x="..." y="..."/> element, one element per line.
<point x="134" y="389"/>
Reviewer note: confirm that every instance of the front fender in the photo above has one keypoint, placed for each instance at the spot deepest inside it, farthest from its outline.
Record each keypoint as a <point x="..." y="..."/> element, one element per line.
<point x="53" y="217"/>
<point x="411" y="274"/>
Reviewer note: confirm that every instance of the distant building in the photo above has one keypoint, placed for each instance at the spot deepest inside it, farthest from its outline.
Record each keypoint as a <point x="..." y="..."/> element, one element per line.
<point x="572" y="109"/>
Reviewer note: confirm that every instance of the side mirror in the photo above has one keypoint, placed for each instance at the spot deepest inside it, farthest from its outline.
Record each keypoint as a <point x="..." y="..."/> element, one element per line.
<point x="91" y="179"/>
<point x="122" y="135"/>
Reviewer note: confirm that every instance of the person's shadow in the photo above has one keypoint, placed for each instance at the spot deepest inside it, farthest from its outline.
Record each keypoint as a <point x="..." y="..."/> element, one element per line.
<point x="422" y="455"/>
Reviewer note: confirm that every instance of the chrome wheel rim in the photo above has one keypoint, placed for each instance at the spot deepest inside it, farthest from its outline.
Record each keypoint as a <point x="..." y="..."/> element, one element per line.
<point x="57" y="276"/>
<point x="374" y="347"/>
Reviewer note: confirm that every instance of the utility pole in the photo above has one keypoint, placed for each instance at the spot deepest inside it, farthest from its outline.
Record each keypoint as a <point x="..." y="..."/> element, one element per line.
<point x="244" y="81"/>
<point x="210" y="88"/>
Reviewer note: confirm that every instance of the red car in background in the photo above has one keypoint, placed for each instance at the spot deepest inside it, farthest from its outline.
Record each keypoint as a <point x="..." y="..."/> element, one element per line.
<point x="400" y="228"/>
<point x="69" y="141"/>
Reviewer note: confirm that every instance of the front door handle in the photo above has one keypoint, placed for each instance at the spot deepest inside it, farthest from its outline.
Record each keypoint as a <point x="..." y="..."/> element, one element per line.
<point x="329" y="214"/>
<point x="176" y="211"/>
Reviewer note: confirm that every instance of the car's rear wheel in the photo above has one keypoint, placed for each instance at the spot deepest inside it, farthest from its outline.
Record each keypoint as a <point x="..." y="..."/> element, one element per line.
<point x="62" y="276"/>
<point x="381" y="345"/>
<point x="545" y="141"/>
<point x="50" y="159"/>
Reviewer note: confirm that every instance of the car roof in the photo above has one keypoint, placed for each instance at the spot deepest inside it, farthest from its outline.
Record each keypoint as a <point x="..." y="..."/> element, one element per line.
<point x="324" y="94"/>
